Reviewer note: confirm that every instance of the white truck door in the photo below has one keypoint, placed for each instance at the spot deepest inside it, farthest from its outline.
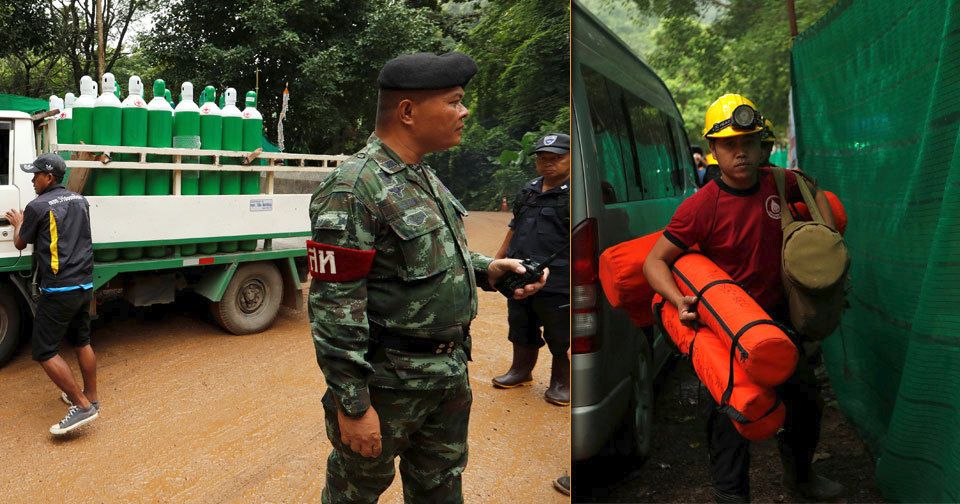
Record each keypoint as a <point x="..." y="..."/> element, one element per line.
<point x="12" y="151"/>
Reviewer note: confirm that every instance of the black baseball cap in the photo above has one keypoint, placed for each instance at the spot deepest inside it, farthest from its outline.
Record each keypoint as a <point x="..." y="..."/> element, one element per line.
<point x="46" y="163"/>
<point x="558" y="143"/>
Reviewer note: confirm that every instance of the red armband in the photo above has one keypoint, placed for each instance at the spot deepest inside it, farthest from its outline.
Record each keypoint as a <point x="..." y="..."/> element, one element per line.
<point x="330" y="263"/>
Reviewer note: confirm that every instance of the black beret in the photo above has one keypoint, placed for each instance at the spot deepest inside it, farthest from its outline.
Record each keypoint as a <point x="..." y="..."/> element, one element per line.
<point x="427" y="71"/>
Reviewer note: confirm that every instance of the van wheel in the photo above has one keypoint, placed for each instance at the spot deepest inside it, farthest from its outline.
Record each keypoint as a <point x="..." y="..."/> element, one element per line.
<point x="252" y="299"/>
<point x="9" y="324"/>
<point x="641" y="400"/>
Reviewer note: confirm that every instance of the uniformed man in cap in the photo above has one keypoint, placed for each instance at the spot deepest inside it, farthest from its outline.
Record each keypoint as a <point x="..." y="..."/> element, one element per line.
<point x="539" y="228"/>
<point x="57" y="223"/>
<point x="394" y="291"/>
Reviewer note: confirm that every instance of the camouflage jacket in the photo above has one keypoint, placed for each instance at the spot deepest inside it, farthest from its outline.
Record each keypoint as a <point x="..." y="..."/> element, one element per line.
<point x="422" y="278"/>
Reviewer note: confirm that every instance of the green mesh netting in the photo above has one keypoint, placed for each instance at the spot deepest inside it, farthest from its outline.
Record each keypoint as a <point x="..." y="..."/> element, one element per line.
<point x="876" y="88"/>
<point x="22" y="103"/>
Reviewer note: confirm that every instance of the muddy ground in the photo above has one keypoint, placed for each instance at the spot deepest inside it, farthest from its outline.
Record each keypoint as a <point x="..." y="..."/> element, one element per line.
<point x="191" y="414"/>
<point x="677" y="469"/>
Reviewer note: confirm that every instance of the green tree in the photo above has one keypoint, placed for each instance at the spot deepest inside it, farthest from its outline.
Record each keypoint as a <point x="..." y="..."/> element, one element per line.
<point x="329" y="52"/>
<point x="705" y="48"/>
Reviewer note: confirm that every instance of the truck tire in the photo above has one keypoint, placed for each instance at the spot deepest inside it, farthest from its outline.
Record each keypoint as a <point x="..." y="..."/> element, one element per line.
<point x="252" y="299"/>
<point x="9" y="324"/>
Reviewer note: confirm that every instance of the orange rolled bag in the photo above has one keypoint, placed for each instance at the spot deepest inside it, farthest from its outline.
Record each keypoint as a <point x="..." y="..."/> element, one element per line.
<point x="756" y="411"/>
<point x="621" y="275"/>
<point x="801" y="212"/>
<point x="762" y="347"/>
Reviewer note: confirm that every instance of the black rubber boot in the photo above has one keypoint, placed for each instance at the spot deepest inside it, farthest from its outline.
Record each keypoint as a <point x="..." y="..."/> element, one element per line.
<point x="520" y="373"/>
<point x="559" y="391"/>
<point x="803" y="480"/>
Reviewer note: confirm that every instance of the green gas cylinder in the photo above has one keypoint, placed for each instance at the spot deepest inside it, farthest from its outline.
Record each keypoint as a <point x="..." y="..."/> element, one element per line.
<point x="186" y="135"/>
<point x="133" y="134"/>
<point x="252" y="140"/>
<point x="55" y="103"/>
<point x="65" y="127"/>
<point x="211" y="138"/>
<point x="159" y="134"/>
<point x="233" y="141"/>
<point x="169" y="97"/>
<point x="107" y="131"/>
<point x="83" y="111"/>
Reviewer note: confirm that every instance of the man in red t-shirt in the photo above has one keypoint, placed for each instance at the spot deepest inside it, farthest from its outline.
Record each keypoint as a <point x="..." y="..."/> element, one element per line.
<point x="735" y="220"/>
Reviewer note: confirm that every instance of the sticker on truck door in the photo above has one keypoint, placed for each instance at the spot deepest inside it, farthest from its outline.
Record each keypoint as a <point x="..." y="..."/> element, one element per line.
<point x="261" y="205"/>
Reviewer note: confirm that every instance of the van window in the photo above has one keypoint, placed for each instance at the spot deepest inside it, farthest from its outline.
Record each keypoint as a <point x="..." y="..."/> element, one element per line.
<point x="636" y="143"/>
<point x="6" y="163"/>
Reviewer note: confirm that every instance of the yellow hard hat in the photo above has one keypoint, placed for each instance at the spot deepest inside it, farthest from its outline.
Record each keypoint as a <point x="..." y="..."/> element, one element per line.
<point x="711" y="160"/>
<point x="767" y="135"/>
<point x="732" y="115"/>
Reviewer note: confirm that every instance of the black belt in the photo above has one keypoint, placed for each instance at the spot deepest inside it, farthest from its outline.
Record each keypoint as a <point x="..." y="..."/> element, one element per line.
<point x="438" y="341"/>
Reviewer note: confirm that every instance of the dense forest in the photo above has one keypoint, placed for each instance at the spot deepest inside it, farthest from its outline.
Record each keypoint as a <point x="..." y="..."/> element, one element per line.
<point x="328" y="53"/>
<point x="705" y="48"/>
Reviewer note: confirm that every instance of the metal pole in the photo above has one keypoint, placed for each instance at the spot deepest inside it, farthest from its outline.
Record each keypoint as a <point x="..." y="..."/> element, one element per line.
<point x="100" y="59"/>
<point x="792" y="14"/>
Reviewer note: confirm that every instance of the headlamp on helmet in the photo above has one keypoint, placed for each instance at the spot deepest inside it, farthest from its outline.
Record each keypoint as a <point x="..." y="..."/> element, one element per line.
<point x="743" y="118"/>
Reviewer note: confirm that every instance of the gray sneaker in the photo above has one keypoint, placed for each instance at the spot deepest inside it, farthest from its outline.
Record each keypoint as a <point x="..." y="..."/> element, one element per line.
<point x="65" y="399"/>
<point x="76" y="417"/>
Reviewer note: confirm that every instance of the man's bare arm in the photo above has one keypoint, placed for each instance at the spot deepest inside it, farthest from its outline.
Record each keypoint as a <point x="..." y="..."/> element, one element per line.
<point x="657" y="270"/>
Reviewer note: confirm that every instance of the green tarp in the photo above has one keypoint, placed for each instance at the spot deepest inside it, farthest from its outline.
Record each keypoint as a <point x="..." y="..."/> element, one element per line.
<point x="876" y="88"/>
<point x="22" y="103"/>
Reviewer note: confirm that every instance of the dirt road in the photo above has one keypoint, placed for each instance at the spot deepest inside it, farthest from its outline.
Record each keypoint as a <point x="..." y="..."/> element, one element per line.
<point x="190" y="414"/>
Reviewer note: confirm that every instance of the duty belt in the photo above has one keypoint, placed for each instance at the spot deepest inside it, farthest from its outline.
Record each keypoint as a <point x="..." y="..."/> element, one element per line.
<point x="437" y="341"/>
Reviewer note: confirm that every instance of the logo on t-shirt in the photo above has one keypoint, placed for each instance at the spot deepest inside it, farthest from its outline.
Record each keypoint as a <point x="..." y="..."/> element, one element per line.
<point x="773" y="206"/>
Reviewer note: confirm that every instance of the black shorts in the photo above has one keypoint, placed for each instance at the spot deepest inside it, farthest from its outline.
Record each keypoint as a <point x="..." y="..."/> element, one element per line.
<point x="61" y="315"/>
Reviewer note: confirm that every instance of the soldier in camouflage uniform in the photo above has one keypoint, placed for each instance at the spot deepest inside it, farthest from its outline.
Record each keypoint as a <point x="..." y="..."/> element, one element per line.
<point x="394" y="291"/>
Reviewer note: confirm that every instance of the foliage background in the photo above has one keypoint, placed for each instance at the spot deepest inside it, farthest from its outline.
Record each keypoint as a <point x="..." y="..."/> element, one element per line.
<point x="705" y="48"/>
<point x="329" y="53"/>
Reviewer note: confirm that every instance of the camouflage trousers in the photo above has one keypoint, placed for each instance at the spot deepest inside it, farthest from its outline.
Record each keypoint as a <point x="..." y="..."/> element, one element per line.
<point x="427" y="429"/>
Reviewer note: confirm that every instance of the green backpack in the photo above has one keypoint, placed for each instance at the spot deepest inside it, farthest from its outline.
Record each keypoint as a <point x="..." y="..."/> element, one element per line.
<point x="814" y="265"/>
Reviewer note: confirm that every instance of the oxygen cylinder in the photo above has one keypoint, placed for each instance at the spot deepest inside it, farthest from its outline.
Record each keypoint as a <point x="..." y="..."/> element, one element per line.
<point x="233" y="141"/>
<point x="83" y="111"/>
<point x="133" y="134"/>
<point x="186" y="135"/>
<point x="169" y="97"/>
<point x="159" y="134"/>
<point x="54" y="103"/>
<point x="252" y="140"/>
<point x="65" y="127"/>
<point x="211" y="138"/>
<point x="107" y="131"/>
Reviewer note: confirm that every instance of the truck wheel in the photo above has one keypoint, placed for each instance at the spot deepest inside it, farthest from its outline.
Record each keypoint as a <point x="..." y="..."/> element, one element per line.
<point x="9" y="324"/>
<point x="252" y="299"/>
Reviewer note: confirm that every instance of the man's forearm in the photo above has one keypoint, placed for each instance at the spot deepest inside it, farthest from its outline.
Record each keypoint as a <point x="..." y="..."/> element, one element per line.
<point x="502" y="252"/>
<point x="661" y="280"/>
